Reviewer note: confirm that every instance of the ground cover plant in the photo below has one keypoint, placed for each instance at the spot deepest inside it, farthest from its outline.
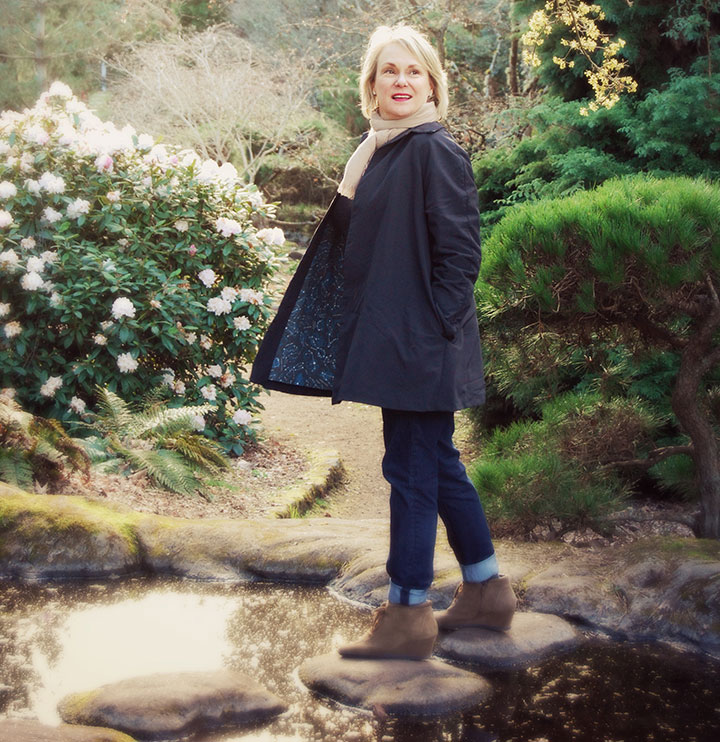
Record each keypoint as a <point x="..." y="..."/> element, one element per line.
<point x="125" y="264"/>
<point x="632" y="267"/>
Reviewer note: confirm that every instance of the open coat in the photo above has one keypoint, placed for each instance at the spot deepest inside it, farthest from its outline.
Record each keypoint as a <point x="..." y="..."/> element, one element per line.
<point x="381" y="309"/>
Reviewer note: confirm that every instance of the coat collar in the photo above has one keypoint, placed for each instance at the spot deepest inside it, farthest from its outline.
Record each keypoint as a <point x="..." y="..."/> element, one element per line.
<point x="428" y="128"/>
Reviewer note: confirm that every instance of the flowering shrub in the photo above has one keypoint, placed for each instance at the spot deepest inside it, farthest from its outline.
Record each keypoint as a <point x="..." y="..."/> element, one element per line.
<point x="126" y="264"/>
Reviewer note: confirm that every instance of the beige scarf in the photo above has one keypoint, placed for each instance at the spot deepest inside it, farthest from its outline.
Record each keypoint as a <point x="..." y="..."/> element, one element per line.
<point x="381" y="132"/>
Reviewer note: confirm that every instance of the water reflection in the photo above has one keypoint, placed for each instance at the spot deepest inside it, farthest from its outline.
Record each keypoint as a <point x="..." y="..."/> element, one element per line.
<point x="57" y="640"/>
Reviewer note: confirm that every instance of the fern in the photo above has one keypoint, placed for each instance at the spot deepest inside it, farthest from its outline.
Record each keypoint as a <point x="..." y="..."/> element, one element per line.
<point x="203" y="453"/>
<point x="115" y="415"/>
<point x="15" y="468"/>
<point x="164" y="421"/>
<point x="167" y="468"/>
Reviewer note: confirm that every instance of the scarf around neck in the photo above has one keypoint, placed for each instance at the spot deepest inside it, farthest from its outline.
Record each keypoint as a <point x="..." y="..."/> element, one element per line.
<point x="381" y="132"/>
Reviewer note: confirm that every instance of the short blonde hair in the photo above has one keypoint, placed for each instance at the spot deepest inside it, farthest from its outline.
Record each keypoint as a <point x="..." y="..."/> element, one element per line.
<point x="418" y="45"/>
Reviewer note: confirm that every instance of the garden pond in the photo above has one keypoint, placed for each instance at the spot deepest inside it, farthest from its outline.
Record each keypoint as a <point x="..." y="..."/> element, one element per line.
<point x="58" y="639"/>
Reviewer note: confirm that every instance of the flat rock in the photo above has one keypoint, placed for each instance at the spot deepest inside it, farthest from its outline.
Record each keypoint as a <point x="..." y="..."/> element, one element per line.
<point x="532" y="637"/>
<point x="397" y="687"/>
<point x="21" y="730"/>
<point x="173" y="704"/>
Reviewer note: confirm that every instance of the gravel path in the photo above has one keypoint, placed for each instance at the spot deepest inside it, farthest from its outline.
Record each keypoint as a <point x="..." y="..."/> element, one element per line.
<point x="353" y="430"/>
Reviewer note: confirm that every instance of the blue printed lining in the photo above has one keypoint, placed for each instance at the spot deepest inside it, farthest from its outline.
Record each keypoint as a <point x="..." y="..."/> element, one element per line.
<point x="307" y="350"/>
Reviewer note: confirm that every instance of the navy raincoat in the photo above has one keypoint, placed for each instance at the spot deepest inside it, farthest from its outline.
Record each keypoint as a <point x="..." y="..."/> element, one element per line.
<point x="381" y="309"/>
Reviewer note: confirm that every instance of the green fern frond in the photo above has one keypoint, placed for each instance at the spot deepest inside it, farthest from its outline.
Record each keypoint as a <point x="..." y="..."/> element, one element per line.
<point x="95" y="448"/>
<point x="167" y="468"/>
<point x="53" y="434"/>
<point x="202" y="453"/>
<point x="15" y="468"/>
<point x="114" y="413"/>
<point x="165" y="421"/>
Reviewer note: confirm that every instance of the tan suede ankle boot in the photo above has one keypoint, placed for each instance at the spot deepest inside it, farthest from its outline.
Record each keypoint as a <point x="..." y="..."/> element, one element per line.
<point x="487" y="605"/>
<point x="398" y="632"/>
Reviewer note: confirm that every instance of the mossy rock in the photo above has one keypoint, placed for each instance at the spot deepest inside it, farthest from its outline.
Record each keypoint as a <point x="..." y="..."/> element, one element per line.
<point x="64" y="537"/>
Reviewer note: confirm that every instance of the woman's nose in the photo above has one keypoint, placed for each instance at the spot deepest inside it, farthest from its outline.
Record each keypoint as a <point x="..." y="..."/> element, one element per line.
<point x="401" y="80"/>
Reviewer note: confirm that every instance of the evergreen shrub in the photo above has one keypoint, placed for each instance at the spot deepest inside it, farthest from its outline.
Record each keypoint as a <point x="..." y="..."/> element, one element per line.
<point x="125" y="264"/>
<point x="559" y="467"/>
<point x="599" y="293"/>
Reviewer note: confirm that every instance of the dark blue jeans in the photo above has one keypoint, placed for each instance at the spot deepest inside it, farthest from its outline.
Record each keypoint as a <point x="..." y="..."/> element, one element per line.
<point x="427" y="479"/>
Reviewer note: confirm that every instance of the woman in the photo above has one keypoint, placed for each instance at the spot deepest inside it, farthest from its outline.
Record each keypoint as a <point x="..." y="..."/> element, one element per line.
<point x="381" y="311"/>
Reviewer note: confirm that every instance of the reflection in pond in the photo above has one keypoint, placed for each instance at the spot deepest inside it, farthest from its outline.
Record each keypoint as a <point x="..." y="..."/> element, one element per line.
<point x="61" y="639"/>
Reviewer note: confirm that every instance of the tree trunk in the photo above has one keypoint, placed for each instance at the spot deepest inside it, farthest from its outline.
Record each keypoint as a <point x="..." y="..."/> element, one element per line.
<point x="697" y="359"/>
<point x="512" y="69"/>
<point x="41" y="75"/>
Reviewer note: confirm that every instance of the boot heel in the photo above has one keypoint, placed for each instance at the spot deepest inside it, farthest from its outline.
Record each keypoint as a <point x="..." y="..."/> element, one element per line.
<point x="500" y="621"/>
<point x="417" y="649"/>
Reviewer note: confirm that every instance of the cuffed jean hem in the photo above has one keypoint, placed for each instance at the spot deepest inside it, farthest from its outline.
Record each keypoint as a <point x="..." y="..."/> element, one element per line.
<point x="480" y="571"/>
<point x="406" y="596"/>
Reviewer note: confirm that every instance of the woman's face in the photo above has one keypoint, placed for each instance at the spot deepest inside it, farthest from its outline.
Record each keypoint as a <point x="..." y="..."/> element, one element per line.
<point x="402" y="83"/>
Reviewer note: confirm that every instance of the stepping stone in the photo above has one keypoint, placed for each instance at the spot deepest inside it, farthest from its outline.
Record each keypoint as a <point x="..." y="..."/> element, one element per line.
<point x="173" y="704"/>
<point x="22" y="730"/>
<point x="532" y="637"/>
<point x="395" y="687"/>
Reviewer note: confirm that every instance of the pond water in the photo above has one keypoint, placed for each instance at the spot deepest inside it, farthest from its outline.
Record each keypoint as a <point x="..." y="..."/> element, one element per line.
<point x="56" y="640"/>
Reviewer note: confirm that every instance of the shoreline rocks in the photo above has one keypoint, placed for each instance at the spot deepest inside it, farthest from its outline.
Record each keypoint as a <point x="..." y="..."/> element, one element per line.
<point x="660" y="588"/>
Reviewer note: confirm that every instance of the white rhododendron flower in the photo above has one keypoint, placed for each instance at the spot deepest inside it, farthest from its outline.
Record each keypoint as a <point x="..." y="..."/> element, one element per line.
<point x="26" y="162"/>
<point x="207" y="276"/>
<point x="209" y="392"/>
<point x="99" y="339"/>
<point x="37" y="135"/>
<point x="241" y="417"/>
<point x="208" y="172"/>
<point x="77" y="405"/>
<point x="155" y="304"/>
<point x="27" y="243"/>
<point x="113" y="196"/>
<point x="217" y="305"/>
<point x="48" y="256"/>
<point x="77" y="207"/>
<point x="274" y="236"/>
<point x="122" y="307"/>
<point x="104" y="163"/>
<point x="35" y="264"/>
<point x="12" y="328"/>
<point x="241" y="323"/>
<point x="31" y="281"/>
<point x="179" y="387"/>
<point x="32" y="186"/>
<point x="227" y="379"/>
<point x="181" y="225"/>
<point x="4" y="147"/>
<point x="205" y="342"/>
<point x="191" y="337"/>
<point x="4" y="309"/>
<point x="52" y="183"/>
<point x="51" y="215"/>
<point x="168" y="377"/>
<point x="145" y="141"/>
<point x="60" y="89"/>
<point x="215" y="371"/>
<point x="251" y="296"/>
<point x="126" y="363"/>
<point x="227" y="172"/>
<point x="51" y="386"/>
<point x="5" y="219"/>
<point x="55" y="299"/>
<point x="197" y="422"/>
<point x="106" y="325"/>
<point x="229" y="293"/>
<point x="7" y="189"/>
<point x="8" y="259"/>
<point x="228" y="227"/>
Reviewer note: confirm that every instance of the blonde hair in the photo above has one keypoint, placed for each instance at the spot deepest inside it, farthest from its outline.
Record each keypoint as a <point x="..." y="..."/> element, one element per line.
<point x="418" y="45"/>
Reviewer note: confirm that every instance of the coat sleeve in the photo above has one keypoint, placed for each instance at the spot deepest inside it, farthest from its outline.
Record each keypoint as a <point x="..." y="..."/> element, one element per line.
<point x="451" y="210"/>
